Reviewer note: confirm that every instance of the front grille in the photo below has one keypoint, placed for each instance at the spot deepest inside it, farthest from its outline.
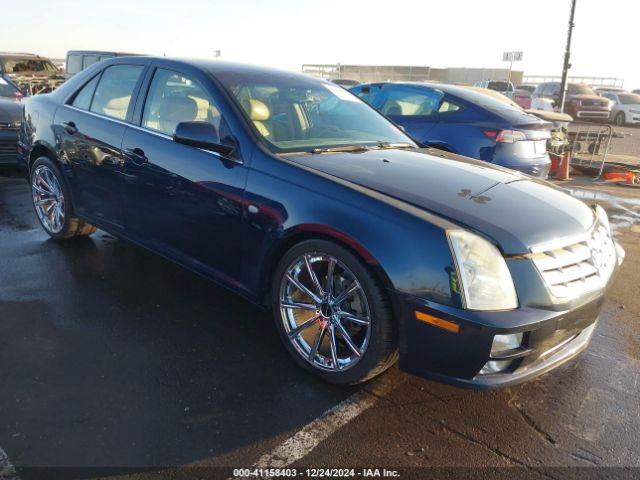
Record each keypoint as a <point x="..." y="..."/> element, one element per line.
<point x="593" y="103"/>
<point x="577" y="268"/>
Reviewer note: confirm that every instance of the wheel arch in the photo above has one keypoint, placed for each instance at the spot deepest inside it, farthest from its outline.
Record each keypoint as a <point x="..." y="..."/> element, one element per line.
<point x="302" y="233"/>
<point x="42" y="149"/>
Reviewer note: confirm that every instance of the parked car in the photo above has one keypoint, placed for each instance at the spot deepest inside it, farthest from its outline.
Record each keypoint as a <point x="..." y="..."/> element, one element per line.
<point x="637" y="91"/>
<point x="78" y="60"/>
<point x="527" y="87"/>
<point x="33" y="74"/>
<point x="581" y="101"/>
<point x="626" y="108"/>
<point x="464" y="121"/>
<point x="9" y="90"/>
<point x="521" y="97"/>
<point x="558" y="142"/>
<point x="10" y="116"/>
<point x="297" y="195"/>
<point x="504" y="87"/>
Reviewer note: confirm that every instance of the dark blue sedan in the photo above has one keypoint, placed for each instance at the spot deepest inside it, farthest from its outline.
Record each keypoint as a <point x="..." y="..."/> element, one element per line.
<point x="464" y="121"/>
<point x="294" y="193"/>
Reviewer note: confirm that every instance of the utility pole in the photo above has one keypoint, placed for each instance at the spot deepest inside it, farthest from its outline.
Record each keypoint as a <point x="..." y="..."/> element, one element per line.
<point x="567" y="58"/>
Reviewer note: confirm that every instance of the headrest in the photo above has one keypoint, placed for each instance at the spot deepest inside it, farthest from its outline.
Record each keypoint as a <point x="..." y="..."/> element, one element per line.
<point x="182" y="108"/>
<point x="257" y="110"/>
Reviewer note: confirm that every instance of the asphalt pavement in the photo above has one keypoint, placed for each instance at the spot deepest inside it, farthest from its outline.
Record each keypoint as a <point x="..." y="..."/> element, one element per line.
<point x="114" y="357"/>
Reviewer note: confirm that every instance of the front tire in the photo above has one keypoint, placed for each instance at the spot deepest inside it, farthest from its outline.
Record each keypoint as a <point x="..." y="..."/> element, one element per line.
<point x="52" y="202"/>
<point x="332" y="314"/>
<point x="620" y="119"/>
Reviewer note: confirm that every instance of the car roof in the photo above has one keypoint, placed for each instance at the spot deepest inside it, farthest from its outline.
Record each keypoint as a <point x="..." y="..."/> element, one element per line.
<point x="101" y="52"/>
<point x="214" y="66"/>
<point x="22" y="55"/>
<point x="459" y="90"/>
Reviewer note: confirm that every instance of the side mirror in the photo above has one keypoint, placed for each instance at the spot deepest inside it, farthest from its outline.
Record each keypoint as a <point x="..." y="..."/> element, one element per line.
<point x="201" y="135"/>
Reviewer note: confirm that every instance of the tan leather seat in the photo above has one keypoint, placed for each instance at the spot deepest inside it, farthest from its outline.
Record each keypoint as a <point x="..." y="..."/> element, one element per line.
<point x="174" y="110"/>
<point x="259" y="114"/>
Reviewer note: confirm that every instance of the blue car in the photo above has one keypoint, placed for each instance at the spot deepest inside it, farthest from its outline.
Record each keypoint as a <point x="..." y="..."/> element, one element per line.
<point x="464" y="121"/>
<point x="294" y="193"/>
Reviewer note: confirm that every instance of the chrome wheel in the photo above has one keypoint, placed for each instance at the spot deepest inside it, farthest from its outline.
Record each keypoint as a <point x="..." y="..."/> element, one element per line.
<point x="48" y="199"/>
<point x="325" y="312"/>
<point x="620" y="119"/>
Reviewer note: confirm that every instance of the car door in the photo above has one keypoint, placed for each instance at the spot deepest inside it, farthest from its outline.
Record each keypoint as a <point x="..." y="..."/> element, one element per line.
<point x="414" y="108"/>
<point x="90" y="128"/>
<point x="182" y="201"/>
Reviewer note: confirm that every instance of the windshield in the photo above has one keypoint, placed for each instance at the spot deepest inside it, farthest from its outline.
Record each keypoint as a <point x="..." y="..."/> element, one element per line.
<point x="297" y="114"/>
<point x="18" y="65"/>
<point x="580" y="89"/>
<point x="629" y="99"/>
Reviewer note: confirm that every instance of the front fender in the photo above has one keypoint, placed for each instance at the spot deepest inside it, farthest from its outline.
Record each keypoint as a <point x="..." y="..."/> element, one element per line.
<point x="406" y="246"/>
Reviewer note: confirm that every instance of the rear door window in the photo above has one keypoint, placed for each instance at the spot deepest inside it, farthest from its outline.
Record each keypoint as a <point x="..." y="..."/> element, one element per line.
<point x="115" y="89"/>
<point x="366" y="92"/>
<point x="407" y="101"/>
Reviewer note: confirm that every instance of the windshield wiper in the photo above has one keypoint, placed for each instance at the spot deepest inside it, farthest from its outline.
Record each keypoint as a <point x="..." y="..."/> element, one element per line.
<point x="345" y="148"/>
<point x="389" y="145"/>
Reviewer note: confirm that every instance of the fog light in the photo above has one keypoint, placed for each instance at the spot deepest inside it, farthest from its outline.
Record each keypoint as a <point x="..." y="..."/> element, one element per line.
<point x="504" y="343"/>
<point x="495" y="366"/>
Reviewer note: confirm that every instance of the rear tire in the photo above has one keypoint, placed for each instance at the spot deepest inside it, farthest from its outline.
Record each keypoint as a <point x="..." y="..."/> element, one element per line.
<point x="313" y="330"/>
<point x="51" y="200"/>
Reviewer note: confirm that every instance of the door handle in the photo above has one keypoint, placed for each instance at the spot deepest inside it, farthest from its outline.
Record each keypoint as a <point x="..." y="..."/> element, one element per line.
<point x="136" y="155"/>
<point x="70" y="127"/>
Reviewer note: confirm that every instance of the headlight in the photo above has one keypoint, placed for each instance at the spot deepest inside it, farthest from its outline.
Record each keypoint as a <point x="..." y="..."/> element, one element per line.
<point x="603" y="218"/>
<point x="485" y="277"/>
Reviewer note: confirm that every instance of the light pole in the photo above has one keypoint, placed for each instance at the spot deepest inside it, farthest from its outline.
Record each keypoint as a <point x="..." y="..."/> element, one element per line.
<point x="567" y="58"/>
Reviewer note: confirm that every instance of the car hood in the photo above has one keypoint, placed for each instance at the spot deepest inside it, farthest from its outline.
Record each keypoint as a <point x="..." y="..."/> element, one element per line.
<point x="516" y="211"/>
<point x="584" y="96"/>
<point x="10" y="111"/>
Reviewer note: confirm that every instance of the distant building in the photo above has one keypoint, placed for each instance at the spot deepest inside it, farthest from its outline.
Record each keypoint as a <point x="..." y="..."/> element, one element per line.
<point x="409" y="73"/>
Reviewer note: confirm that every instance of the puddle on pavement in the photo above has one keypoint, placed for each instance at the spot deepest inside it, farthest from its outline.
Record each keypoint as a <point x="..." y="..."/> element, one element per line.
<point x="624" y="212"/>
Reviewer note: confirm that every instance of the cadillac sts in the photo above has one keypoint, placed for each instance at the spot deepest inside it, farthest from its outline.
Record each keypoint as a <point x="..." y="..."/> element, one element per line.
<point x="294" y="193"/>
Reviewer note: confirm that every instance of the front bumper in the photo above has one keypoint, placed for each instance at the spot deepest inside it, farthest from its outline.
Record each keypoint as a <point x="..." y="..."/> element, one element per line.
<point x="632" y="118"/>
<point x="596" y="114"/>
<point x="551" y="337"/>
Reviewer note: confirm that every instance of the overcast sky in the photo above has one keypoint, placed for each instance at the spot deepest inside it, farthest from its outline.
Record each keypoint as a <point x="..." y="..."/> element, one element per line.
<point x="288" y="33"/>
